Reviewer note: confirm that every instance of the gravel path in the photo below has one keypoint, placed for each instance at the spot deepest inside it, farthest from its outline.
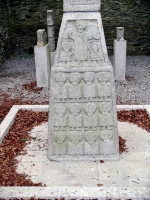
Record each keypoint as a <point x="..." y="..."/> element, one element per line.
<point x="17" y="71"/>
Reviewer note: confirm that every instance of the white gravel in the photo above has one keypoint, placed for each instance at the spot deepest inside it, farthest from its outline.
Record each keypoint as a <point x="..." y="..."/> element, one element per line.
<point x="17" y="71"/>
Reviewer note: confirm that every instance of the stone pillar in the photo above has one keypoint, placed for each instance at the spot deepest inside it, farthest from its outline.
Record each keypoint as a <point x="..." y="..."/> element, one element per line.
<point x="42" y="59"/>
<point x="50" y="30"/>
<point x="82" y="114"/>
<point x="119" y="62"/>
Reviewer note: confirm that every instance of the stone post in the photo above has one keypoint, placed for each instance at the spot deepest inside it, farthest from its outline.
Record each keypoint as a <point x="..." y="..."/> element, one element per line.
<point x="50" y="30"/>
<point x="42" y="59"/>
<point x="82" y="112"/>
<point x="119" y="60"/>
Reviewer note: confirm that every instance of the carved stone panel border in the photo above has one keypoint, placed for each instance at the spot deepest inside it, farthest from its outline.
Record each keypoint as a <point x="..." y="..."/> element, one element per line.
<point x="82" y="116"/>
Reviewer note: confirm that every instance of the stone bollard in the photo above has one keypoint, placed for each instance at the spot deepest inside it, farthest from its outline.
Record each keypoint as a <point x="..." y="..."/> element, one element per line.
<point x="42" y="59"/>
<point x="119" y="60"/>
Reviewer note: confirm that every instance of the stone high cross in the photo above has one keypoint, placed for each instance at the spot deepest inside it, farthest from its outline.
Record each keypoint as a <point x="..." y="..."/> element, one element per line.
<point x="82" y="115"/>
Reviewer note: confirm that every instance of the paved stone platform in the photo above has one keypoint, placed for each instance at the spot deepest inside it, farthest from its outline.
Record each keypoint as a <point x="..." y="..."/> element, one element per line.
<point x="127" y="178"/>
<point x="133" y="169"/>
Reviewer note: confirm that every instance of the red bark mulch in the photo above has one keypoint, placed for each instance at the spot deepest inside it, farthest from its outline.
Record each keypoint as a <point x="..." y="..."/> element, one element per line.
<point x="32" y="87"/>
<point x="13" y="145"/>
<point x="138" y="117"/>
<point x="7" y="103"/>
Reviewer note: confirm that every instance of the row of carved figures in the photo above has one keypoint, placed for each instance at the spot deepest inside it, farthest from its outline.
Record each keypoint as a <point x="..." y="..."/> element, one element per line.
<point x="73" y="123"/>
<point x="89" y="136"/>
<point x="89" y="143"/>
<point x="89" y="109"/>
<point x="82" y="91"/>
<point x="88" y="77"/>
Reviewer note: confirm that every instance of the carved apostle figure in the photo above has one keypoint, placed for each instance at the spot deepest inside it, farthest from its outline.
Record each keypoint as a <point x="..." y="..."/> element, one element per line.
<point x="105" y="108"/>
<point x="107" y="146"/>
<point x="75" y="119"/>
<point x="89" y="90"/>
<point x="90" y="120"/>
<point x="75" y="143"/>
<point x="60" y="89"/>
<point x="81" y="42"/>
<point x="59" y="120"/>
<point x="66" y="52"/>
<point x="74" y="88"/>
<point x="104" y="88"/>
<point x="91" y="144"/>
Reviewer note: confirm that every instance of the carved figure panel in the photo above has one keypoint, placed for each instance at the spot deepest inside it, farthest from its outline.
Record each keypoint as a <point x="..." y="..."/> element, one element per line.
<point x="89" y="89"/>
<point x="105" y="108"/>
<point x="103" y="77"/>
<point x="59" y="149"/>
<point x="75" y="136"/>
<point x="59" y="136"/>
<point x="104" y="87"/>
<point x="74" y="90"/>
<point x="75" y="144"/>
<point x="91" y="136"/>
<point x="90" y="121"/>
<point x="81" y="42"/>
<point x="75" y="119"/>
<point x="107" y="146"/>
<point x="96" y="51"/>
<point x="59" y="120"/>
<point x="60" y="89"/>
<point x="91" y="145"/>
<point x="67" y="51"/>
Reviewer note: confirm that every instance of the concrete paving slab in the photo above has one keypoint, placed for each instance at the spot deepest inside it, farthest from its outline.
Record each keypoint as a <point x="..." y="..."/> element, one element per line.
<point x="55" y="174"/>
<point x="32" y="170"/>
<point x="112" y="174"/>
<point x="33" y="156"/>
<point x="125" y="128"/>
<point x="135" y="156"/>
<point x="83" y="174"/>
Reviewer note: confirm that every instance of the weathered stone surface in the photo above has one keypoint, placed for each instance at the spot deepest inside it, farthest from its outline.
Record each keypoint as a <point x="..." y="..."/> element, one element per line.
<point x="50" y="29"/>
<point x="120" y="33"/>
<point x="41" y="38"/>
<point x="82" y="120"/>
<point x="81" y="5"/>
<point x="119" y="59"/>
<point x="42" y="65"/>
<point x="50" y="17"/>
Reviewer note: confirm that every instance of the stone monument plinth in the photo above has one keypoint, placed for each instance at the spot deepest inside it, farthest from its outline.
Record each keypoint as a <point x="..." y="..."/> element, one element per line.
<point x="82" y="115"/>
<point x="42" y="59"/>
<point x="119" y="60"/>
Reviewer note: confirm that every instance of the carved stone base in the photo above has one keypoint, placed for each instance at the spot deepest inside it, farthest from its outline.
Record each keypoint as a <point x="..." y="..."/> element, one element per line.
<point x="82" y="115"/>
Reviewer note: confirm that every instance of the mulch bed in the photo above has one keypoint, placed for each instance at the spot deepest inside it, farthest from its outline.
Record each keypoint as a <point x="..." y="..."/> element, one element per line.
<point x="32" y="87"/>
<point x="7" y="103"/>
<point x="138" y="117"/>
<point x="14" y="144"/>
